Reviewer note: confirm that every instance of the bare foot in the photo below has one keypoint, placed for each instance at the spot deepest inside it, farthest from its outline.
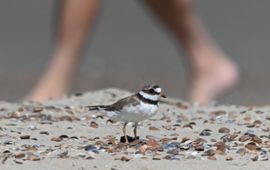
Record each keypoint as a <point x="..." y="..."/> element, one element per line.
<point x="213" y="75"/>
<point x="47" y="89"/>
<point x="43" y="94"/>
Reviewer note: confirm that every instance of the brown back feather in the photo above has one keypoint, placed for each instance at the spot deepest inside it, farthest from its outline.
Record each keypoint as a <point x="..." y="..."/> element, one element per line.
<point x="131" y="100"/>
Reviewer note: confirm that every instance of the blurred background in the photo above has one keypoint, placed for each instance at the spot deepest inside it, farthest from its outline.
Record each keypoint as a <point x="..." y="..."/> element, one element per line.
<point x="125" y="42"/>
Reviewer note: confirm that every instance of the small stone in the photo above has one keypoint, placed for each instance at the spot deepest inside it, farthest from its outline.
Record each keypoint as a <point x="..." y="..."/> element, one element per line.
<point x="8" y="142"/>
<point x="37" y="109"/>
<point x="221" y="147"/>
<point x="252" y="146"/>
<point x="91" y="148"/>
<point x="156" y="158"/>
<point x="19" y="155"/>
<point x="244" y="138"/>
<point x="17" y="162"/>
<point x="93" y="124"/>
<point x="63" y="136"/>
<point x="56" y="139"/>
<point x="152" y="144"/>
<point x="125" y="158"/>
<point x="188" y="126"/>
<point x="254" y="158"/>
<point x="228" y="137"/>
<point x="168" y="157"/>
<point x="263" y="155"/>
<point x="229" y="158"/>
<point x="199" y="147"/>
<point x="44" y="133"/>
<point x="73" y="137"/>
<point x="186" y="145"/>
<point x="224" y="130"/>
<point x="206" y="132"/>
<point x="256" y="139"/>
<point x="25" y="137"/>
<point x="257" y="122"/>
<point x="153" y="128"/>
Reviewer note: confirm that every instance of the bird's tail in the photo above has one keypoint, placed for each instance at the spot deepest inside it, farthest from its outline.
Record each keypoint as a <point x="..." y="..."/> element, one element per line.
<point x="97" y="107"/>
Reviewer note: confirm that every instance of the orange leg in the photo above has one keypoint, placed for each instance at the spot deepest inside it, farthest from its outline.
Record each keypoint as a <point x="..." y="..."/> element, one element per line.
<point x="135" y="130"/>
<point x="125" y="133"/>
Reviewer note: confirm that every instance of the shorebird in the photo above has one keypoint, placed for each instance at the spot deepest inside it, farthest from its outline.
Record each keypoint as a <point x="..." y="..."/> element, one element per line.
<point x="134" y="108"/>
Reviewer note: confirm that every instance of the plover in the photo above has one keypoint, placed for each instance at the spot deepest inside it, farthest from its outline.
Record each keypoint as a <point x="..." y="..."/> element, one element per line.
<point x="135" y="108"/>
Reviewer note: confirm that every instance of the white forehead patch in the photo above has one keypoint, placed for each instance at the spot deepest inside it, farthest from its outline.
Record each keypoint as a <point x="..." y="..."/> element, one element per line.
<point x="158" y="90"/>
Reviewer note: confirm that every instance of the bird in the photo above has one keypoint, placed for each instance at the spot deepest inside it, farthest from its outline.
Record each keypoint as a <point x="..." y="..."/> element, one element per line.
<point x="135" y="108"/>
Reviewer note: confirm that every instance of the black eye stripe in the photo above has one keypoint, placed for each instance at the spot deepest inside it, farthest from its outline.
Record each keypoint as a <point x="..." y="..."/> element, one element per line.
<point x="151" y="91"/>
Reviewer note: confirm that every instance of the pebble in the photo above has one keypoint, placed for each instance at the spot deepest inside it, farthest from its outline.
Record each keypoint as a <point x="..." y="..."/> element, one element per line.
<point x="19" y="155"/>
<point x="252" y="146"/>
<point x="224" y="130"/>
<point x="153" y="128"/>
<point x="91" y="148"/>
<point x="263" y="155"/>
<point x="125" y="158"/>
<point x="186" y="145"/>
<point x="206" y="132"/>
<point x="25" y="137"/>
<point x="93" y="124"/>
<point x="44" y="133"/>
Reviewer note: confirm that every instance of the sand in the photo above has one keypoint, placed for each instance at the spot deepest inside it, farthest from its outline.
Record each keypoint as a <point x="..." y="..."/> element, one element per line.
<point x="64" y="135"/>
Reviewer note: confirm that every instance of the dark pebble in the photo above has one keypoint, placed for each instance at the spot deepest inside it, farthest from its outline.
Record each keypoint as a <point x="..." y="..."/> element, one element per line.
<point x="25" y="137"/>
<point x="156" y="158"/>
<point x="74" y="137"/>
<point x="63" y="136"/>
<point x="44" y="133"/>
<point x="8" y="142"/>
<point x="91" y="148"/>
<point x="206" y="132"/>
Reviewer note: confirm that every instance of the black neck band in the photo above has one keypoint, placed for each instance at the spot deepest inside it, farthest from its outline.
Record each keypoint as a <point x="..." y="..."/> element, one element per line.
<point x="146" y="100"/>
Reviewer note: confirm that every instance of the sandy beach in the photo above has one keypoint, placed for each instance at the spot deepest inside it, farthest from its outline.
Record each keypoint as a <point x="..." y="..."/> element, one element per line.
<point x="63" y="134"/>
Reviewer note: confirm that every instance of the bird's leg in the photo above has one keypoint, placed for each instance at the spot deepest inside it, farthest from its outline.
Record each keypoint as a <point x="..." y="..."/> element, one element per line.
<point x="135" y="130"/>
<point x="125" y="133"/>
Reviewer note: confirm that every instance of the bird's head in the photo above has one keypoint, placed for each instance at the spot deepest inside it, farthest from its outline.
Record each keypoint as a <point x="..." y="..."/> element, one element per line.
<point x="152" y="92"/>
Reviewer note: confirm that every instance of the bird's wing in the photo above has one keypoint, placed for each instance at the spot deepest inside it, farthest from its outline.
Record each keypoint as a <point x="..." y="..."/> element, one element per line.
<point x="131" y="100"/>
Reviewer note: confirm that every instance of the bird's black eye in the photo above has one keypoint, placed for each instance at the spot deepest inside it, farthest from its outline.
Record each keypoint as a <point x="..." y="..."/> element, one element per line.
<point x="152" y="91"/>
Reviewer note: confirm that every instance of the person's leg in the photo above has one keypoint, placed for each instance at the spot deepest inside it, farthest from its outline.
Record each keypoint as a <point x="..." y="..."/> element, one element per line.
<point x="76" y="16"/>
<point x="212" y="72"/>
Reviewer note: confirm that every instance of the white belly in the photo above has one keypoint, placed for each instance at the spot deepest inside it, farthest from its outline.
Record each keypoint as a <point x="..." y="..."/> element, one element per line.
<point x="136" y="113"/>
